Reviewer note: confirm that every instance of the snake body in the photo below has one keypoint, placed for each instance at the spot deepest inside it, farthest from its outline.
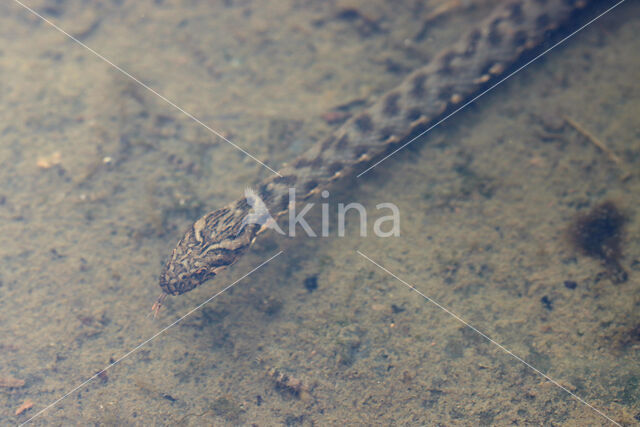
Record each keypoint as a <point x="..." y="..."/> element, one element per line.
<point x="220" y="237"/>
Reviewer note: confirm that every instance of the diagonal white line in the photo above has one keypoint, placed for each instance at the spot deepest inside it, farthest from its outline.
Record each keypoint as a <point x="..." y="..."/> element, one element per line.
<point x="500" y="346"/>
<point x="168" y="101"/>
<point x="472" y="100"/>
<point x="142" y="344"/>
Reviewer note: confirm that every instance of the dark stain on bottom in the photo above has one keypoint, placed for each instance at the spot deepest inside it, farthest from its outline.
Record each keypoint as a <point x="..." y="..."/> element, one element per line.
<point x="599" y="234"/>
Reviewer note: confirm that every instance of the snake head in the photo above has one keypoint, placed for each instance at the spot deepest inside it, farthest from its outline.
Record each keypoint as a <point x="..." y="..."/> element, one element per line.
<point x="178" y="277"/>
<point x="211" y="244"/>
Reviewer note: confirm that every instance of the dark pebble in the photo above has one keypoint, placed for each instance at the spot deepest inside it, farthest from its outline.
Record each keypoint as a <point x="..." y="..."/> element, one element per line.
<point x="396" y="309"/>
<point x="311" y="283"/>
<point x="570" y="284"/>
<point x="547" y="303"/>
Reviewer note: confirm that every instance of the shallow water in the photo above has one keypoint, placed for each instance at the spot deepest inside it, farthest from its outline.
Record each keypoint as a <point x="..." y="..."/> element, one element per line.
<point x="100" y="178"/>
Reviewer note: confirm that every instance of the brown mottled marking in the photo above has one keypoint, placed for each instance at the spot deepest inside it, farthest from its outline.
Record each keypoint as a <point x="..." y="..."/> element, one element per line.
<point x="327" y="143"/>
<point x="364" y="123"/>
<point x="472" y="43"/>
<point x="391" y="107"/>
<point x="342" y="142"/>
<point x="335" y="167"/>
<point x="413" y="114"/>
<point x="301" y="163"/>
<point x="283" y="205"/>
<point x="515" y="13"/>
<point x="359" y="151"/>
<point x="542" y="21"/>
<point x="519" y="39"/>
<point x="418" y="90"/>
<point x="446" y="93"/>
<point x="317" y="162"/>
<point x="495" y="36"/>
<point x="287" y="180"/>
<point x="310" y="185"/>
<point x="386" y="133"/>
<point x="264" y="192"/>
<point x="445" y="62"/>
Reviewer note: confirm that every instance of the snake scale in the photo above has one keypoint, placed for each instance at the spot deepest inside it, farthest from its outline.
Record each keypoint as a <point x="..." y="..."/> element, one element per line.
<point x="220" y="238"/>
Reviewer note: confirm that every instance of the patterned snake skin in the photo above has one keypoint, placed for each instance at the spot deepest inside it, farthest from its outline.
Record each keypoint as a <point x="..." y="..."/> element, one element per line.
<point x="219" y="238"/>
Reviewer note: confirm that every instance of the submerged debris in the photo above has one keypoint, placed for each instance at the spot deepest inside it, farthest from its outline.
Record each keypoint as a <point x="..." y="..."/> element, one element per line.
<point x="226" y="407"/>
<point x="46" y="162"/>
<point x="627" y="336"/>
<point x="26" y="405"/>
<point x="601" y="145"/>
<point x="311" y="283"/>
<point x="547" y="302"/>
<point x="10" y="382"/>
<point x="289" y="383"/>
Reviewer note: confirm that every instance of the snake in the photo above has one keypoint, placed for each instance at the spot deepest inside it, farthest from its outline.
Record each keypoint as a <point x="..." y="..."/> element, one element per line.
<point x="456" y="74"/>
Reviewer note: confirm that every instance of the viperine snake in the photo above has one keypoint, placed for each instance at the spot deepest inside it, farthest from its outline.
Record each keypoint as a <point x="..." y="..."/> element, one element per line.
<point x="220" y="237"/>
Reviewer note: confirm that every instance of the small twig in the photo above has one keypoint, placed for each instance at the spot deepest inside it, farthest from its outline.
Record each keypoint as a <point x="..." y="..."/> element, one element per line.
<point x="601" y="145"/>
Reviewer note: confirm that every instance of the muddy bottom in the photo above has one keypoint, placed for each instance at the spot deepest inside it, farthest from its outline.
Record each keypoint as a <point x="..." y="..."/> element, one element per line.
<point x="487" y="309"/>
